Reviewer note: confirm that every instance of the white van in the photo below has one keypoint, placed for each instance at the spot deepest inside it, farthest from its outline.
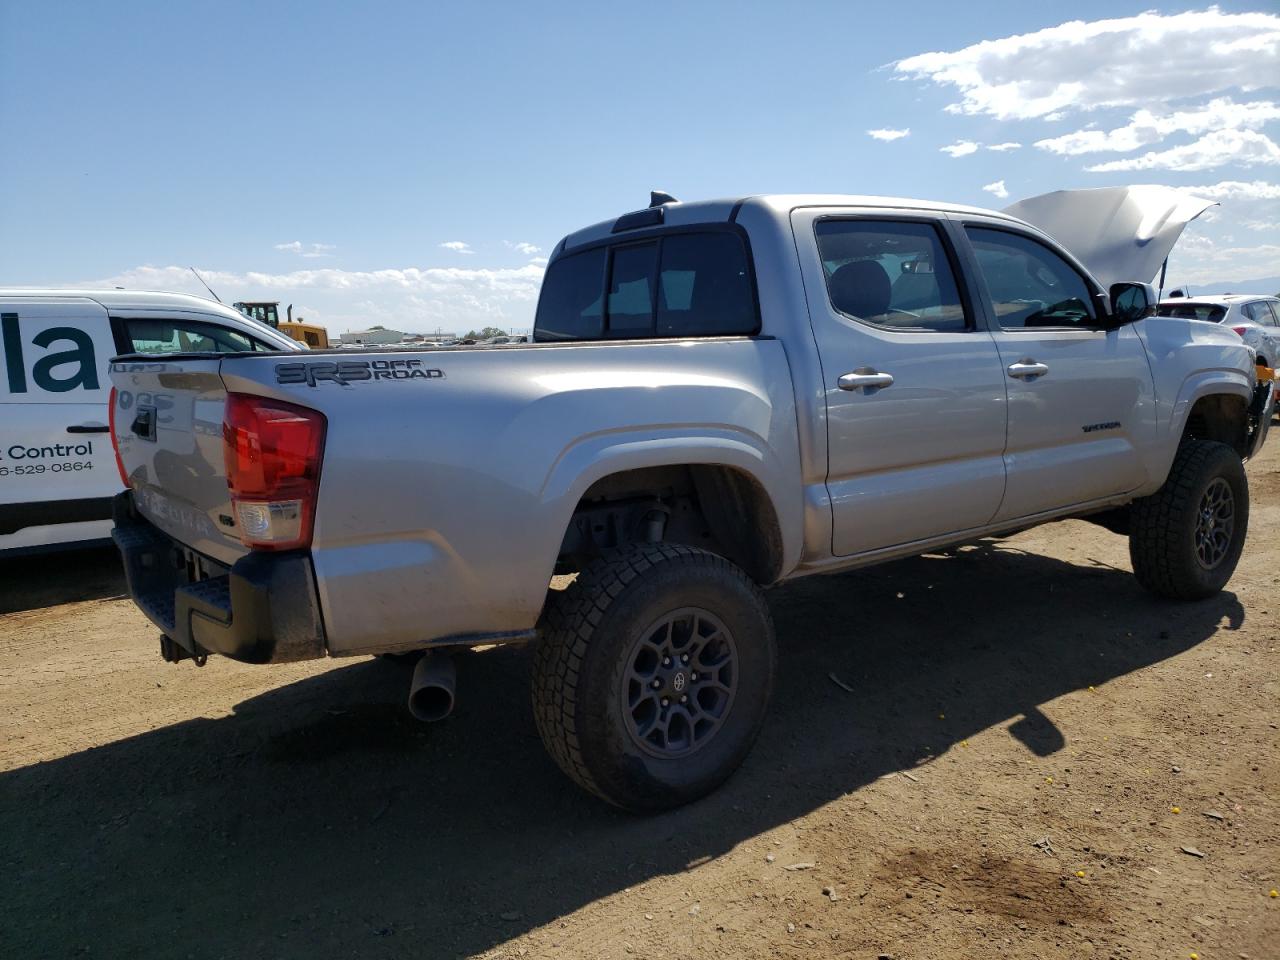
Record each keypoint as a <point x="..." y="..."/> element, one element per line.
<point x="57" y="469"/>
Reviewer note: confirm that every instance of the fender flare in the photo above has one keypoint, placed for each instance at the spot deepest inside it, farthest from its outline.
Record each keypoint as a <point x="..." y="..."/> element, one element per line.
<point x="1195" y="387"/>
<point x="594" y="457"/>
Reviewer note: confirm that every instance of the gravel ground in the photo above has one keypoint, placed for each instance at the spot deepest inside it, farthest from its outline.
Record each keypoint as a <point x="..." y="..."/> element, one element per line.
<point x="1020" y="750"/>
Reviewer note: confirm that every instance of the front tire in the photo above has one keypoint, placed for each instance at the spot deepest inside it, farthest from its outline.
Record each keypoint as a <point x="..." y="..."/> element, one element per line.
<point x="1187" y="537"/>
<point x="653" y="675"/>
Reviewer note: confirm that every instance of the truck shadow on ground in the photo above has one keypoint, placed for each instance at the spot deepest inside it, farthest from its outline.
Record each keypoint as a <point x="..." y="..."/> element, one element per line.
<point x="321" y="820"/>
<point x="63" y="576"/>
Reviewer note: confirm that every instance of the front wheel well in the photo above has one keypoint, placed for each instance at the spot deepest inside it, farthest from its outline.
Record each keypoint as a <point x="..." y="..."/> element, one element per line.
<point x="714" y="507"/>
<point x="1222" y="417"/>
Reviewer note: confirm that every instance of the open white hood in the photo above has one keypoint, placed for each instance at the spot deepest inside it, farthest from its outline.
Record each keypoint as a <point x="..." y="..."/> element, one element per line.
<point x="1119" y="233"/>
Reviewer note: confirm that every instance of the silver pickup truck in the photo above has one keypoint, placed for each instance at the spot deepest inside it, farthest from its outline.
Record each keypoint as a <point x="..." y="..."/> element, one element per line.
<point x="720" y="396"/>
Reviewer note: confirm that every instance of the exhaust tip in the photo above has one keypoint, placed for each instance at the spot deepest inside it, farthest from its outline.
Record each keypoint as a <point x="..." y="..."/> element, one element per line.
<point x="430" y="704"/>
<point x="432" y="690"/>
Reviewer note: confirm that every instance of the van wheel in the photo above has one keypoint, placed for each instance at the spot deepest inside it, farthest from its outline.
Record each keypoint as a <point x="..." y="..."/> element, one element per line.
<point x="1187" y="537"/>
<point x="653" y="674"/>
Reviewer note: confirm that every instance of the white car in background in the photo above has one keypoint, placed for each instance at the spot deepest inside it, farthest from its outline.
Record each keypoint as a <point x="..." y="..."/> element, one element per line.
<point x="1256" y="319"/>
<point x="57" y="471"/>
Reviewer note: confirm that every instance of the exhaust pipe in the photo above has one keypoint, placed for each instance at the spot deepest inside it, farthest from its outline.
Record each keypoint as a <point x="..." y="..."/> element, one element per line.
<point x="432" y="690"/>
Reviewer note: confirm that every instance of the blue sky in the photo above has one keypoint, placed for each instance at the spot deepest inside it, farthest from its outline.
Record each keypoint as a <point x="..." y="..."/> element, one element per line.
<point x="325" y="154"/>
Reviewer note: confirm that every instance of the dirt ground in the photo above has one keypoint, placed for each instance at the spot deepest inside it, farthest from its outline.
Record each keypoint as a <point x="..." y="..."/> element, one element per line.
<point x="1026" y="747"/>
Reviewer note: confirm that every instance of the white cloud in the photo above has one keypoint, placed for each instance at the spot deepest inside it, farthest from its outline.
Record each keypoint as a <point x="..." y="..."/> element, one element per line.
<point x="1127" y="61"/>
<point x="961" y="148"/>
<point x="308" y="250"/>
<point x="457" y="246"/>
<point x="1146" y="127"/>
<point x="1262" y="226"/>
<point x="998" y="189"/>
<point x="887" y="134"/>
<point x="1236" y="190"/>
<point x="1243" y="147"/>
<point x="1005" y="147"/>
<point x="411" y="298"/>
<point x="1207" y="262"/>
<point x="528" y="249"/>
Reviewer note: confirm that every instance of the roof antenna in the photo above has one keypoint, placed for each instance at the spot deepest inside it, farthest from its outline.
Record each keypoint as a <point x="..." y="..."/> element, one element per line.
<point x="206" y="286"/>
<point x="658" y="198"/>
<point x="1160" y="295"/>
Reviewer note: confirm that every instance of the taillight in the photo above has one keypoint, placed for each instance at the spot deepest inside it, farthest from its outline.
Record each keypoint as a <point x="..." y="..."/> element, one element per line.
<point x="115" y="444"/>
<point x="1240" y="330"/>
<point x="272" y="453"/>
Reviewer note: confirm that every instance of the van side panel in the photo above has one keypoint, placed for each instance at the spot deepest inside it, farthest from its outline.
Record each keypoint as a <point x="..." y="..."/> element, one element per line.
<point x="57" y="469"/>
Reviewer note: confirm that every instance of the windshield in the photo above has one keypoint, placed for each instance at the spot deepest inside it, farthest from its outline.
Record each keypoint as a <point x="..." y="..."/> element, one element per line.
<point x="1211" y="312"/>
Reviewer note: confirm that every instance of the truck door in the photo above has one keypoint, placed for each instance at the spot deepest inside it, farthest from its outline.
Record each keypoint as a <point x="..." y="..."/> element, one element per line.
<point x="1081" y="398"/>
<point x="915" y="394"/>
<point x="57" y="468"/>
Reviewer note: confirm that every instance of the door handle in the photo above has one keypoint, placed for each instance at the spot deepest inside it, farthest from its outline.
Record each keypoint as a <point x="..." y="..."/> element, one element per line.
<point x="1027" y="369"/>
<point x="865" y="378"/>
<point x="88" y="428"/>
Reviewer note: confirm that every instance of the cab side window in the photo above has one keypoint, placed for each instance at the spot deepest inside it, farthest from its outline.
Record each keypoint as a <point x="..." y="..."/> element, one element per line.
<point x="891" y="274"/>
<point x="186" y="336"/>
<point x="1030" y="285"/>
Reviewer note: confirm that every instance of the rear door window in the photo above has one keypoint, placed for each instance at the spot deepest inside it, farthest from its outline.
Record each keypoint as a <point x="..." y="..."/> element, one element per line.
<point x="893" y="274"/>
<point x="1260" y="313"/>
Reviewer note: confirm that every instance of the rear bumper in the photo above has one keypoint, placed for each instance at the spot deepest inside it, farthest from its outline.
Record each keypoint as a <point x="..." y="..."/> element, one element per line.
<point x="262" y="609"/>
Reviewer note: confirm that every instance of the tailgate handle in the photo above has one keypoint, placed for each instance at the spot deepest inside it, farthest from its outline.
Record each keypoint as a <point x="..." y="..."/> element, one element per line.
<point x="88" y="428"/>
<point x="144" y="423"/>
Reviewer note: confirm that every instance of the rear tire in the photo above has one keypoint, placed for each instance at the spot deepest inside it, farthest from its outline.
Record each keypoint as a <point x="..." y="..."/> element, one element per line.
<point x="653" y="675"/>
<point x="1187" y="537"/>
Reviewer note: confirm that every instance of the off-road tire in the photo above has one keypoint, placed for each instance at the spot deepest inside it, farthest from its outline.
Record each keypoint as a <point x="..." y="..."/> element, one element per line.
<point x="589" y="633"/>
<point x="1162" y="539"/>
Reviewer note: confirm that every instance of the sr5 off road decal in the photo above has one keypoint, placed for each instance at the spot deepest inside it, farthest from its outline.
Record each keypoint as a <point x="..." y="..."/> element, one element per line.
<point x="349" y="371"/>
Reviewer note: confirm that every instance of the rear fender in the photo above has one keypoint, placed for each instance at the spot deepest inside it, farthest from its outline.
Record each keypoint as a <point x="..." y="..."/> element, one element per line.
<point x="593" y="458"/>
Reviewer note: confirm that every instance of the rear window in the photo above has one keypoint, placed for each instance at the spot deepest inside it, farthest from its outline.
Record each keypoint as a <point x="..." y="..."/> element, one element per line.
<point x="571" y="304"/>
<point x="1192" y="311"/>
<point x="679" y="285"/>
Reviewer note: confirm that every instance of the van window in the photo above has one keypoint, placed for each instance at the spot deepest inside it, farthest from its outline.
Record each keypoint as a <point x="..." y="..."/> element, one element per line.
<point x="186" y="336"/>
<point x="694" y="284"/>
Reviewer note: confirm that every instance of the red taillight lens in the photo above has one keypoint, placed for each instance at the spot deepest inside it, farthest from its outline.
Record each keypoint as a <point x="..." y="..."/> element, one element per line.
<point x="272" y="452"/>
<point x="115" y="443"/>
<point x="1240" y="330"/>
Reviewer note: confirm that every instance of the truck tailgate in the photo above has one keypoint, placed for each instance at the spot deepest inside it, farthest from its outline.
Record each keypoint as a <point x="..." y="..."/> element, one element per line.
<point x="167" y="417"/>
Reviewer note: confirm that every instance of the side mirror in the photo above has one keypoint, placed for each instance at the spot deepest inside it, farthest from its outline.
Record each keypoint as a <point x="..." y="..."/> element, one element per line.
<point x="1131" y="302"/>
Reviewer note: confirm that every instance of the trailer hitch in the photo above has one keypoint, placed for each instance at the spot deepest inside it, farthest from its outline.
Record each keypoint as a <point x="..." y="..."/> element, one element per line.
<point x="172" y="652"/>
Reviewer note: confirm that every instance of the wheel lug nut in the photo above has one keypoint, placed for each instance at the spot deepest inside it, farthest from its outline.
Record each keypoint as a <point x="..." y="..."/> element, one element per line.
<point x="685" y="658"/>
<point x="657" y="684"/>
<point x="666" y="702"/>
<point x="694" y="675"/>
<point x="666" y="661"/>
<point x="684" y="698"/>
